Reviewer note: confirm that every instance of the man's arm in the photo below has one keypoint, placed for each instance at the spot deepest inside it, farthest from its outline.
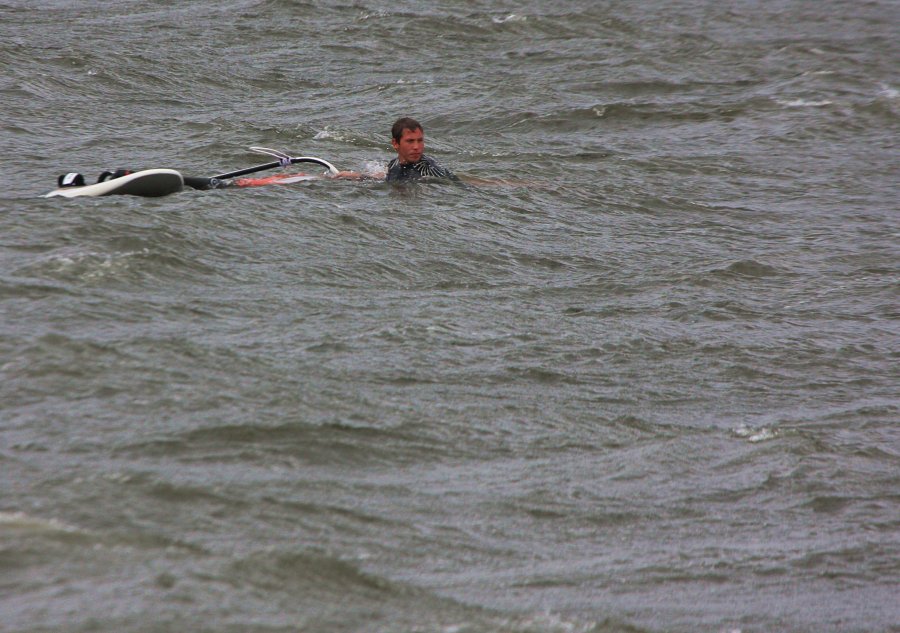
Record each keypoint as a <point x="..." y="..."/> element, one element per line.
<point x="355" y="175"/>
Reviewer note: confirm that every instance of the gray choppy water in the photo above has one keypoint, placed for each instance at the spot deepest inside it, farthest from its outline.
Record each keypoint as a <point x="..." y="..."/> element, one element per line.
<point x="652" y="387"/>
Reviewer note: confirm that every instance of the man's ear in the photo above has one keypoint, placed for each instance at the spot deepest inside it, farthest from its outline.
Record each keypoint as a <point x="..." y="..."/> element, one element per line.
<point x="395" y="143"/>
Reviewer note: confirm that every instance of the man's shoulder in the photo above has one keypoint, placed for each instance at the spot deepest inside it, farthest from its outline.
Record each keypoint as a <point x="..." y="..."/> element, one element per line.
<point x="427" y="166"/>
<point x="394" y="170"/>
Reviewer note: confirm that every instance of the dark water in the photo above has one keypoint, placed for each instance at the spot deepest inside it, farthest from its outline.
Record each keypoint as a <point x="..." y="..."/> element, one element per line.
<point x="650" y="385"/>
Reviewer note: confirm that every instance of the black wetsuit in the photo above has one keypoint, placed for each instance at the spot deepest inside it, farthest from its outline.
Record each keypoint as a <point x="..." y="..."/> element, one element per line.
<point x="425" y="167"/>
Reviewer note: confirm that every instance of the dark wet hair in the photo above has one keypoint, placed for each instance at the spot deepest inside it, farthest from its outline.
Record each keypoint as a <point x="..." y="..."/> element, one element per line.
<point x="405" y="123"/>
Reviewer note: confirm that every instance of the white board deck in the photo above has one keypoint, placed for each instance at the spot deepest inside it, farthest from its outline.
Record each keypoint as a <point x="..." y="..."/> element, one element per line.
<point x="149" y="182"/>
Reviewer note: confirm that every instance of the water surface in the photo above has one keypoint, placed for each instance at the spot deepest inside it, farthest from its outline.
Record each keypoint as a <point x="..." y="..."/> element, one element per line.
<point x="646" y="383"/>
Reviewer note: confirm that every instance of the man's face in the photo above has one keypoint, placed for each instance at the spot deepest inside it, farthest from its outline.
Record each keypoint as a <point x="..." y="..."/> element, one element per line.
<point x="410" y="146"/>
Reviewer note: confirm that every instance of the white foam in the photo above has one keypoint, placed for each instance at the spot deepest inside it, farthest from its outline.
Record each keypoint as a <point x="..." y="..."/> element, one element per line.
<point x="755" y="435"/>
<point x="91" y="264"/>
<point x="329" y="134"/>
<point x="803" y="103"/>
<point x="374" y="168"/>
<point x="512" y="17"/>
<point x="22" y="521"/>
<point x="888" y="92"/>
<point x="551" y="622"/>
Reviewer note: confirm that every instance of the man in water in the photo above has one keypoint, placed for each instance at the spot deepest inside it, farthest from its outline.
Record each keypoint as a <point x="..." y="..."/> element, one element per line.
<point x="411" y="164"/>
<point x="408" y="139"/>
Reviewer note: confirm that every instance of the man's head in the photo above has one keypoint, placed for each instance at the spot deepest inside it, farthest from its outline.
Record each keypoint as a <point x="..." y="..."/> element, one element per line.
<point x="408" y="138"/>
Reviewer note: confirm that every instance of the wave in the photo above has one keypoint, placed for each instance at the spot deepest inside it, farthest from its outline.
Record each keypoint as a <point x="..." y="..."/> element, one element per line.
<point x="20" y="521"/>
<point x="79" y="266"/>
<point x="332" y="443"/>
<point x="323" y="591"/>
<point x="804" y="103"/>
<point x="749" y="268"/>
